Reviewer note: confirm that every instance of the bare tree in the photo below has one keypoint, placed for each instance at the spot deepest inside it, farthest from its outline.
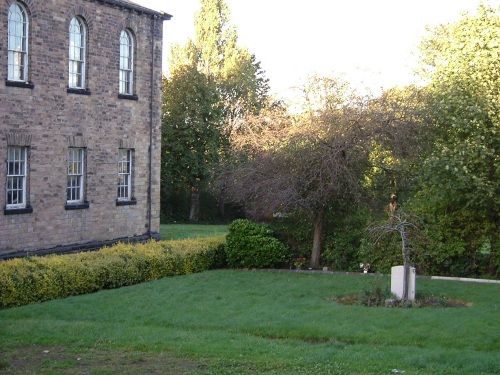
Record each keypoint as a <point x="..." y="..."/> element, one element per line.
<point x="401" y="223"/>
<point x="285" y="163"/>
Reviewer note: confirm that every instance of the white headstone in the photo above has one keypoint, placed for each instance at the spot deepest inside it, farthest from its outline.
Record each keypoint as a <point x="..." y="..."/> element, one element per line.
<point x="397" y="281"/>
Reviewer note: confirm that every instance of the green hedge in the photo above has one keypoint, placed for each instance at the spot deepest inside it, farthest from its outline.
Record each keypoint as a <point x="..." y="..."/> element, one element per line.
<point x="35" y="279"/>
<point x="252" y="245"/>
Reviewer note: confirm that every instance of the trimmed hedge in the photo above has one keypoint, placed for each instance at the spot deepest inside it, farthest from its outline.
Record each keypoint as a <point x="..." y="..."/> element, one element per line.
<point x="36" y="279"/>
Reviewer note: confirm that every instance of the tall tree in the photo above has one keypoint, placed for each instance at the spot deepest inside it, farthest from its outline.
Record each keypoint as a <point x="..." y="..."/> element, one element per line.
<point x="215" y="37"/>
<point x="191" y="128"/>
<point x="238" y="78"/>
<point x="461" y="184"/>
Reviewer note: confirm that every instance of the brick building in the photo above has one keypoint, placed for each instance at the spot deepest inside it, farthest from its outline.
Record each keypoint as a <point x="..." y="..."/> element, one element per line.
<point x="80" y="104"/>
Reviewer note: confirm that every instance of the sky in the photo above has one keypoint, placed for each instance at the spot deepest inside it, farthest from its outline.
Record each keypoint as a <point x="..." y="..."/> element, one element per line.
<point x="371" y="43"/>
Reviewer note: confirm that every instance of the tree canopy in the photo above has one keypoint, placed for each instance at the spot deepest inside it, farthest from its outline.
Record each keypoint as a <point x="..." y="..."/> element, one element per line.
<point x="436" y="146"/>
<point x="212" y="84"/>
<point x="461" y="181"/>
<point x="307" y="162"/>
<point x="191" y="117"/>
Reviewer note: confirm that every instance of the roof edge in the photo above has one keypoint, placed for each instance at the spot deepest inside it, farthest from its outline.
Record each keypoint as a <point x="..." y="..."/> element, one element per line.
<point x="129" y="5"/>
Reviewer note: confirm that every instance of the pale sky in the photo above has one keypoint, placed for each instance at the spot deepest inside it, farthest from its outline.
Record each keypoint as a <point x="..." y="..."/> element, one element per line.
<point x="372" y="43"/>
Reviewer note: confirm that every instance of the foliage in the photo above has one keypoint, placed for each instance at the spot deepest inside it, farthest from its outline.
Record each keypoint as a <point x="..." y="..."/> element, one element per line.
<point x="384" y="254"/>
<point x="394" y="240"/>
<point x="237" y="86"/>
<point x="175" y="205"/>
<point x="342" y="237"/>
<point x="37" y="279"/>
<point x="252" y="245"/>
<point x="460" y="188"/>
<point x="298" y="262"/>
<point x="295" y="231"/>
<point x="191" y="130"/>
<point x="284" y="164"/>
<point x="239" y="77"/>
<point x="435" y="147"/>
<point x="400" y="143"/>
<point x="383" y="297"/>
<point x="375" y="297"/>
<point x="400" y="223"/>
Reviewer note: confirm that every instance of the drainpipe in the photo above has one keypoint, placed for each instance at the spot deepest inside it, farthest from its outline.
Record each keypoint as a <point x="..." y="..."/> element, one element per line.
<point x="151" y="128"/>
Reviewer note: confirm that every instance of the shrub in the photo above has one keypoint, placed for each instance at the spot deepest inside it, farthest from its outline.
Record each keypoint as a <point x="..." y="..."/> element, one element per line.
<point x="375" y="297"/>
<point x="342" y="237"/>
<point x="295" y="231"/>
<point x="36" y="279"/>
<point x="252" y="245"/>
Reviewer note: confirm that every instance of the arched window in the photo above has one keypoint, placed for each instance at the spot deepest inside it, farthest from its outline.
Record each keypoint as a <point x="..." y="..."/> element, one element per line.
<point x="126" y="63"/>
<point x="17" y="60"/>
<point x="77" y="42"/>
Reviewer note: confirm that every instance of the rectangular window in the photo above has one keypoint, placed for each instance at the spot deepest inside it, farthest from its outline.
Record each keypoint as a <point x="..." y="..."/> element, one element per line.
<point x="124" y="174"/>
<point x="125" y="82"/>
<point x="76" y="167"/>
<point x="16" y="177"/>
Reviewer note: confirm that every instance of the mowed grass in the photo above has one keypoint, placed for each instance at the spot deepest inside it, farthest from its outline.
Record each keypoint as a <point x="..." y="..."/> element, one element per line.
<point x="242" y="322"/>
<point x="181" y="231"/>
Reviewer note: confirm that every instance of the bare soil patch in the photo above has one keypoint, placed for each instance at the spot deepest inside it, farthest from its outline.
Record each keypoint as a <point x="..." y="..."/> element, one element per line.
<point x="438" y="302"/>
<point x="49" y="360"/>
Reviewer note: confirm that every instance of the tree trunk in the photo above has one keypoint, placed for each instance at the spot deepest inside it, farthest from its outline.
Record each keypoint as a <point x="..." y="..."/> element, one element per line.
<point x="319" y="221"/>
<point x="194" y="213"/>
<point x="222" y="201"/>
<point x="406" y="282"/>
<point x="406" y="267"/>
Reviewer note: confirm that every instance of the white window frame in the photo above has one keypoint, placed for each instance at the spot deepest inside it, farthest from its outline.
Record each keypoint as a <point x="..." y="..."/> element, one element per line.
<point x="77" y="53"/>
<point x="17" y="60"/>
<point x="76" y="174"/>
<point x="124" y="186"/>
<point x="126" y="77"/>
<point x="17" y="162"/>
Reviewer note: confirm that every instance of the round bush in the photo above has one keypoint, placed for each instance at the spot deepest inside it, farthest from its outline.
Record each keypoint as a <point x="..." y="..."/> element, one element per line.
<point x="251" y="245"/>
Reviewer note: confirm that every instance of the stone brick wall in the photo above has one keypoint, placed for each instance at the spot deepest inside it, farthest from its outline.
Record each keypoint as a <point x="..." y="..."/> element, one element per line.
<point x="49" y="119"/>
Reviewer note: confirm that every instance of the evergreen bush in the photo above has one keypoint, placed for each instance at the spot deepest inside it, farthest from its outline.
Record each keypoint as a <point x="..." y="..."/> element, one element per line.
<point x="252" y="245"/>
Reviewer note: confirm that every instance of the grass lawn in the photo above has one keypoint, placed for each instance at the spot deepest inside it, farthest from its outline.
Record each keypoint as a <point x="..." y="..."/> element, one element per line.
<point x="242" y="322"/>
<point x="181" y="231"/>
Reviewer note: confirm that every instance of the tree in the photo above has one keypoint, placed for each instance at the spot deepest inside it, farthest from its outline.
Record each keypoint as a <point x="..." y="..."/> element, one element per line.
<point x="191" y="127"/>
<point x="303" y="163"/>
<point x="236" y="75"/>
<point x="461" y="186"/>
<point x="404" y="225"/>
<point x="401" y="141"/>
<point x="215" y="52"/>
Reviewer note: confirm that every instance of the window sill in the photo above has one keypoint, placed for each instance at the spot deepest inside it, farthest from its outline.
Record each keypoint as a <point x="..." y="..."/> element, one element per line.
<point x="74" y="90"/>
<point x="128" y="97"/>
<point x="131" y="202"/>
<point x="21" y="84"/>
<point x="18" y="211"/>
<point x="77" y="206"/>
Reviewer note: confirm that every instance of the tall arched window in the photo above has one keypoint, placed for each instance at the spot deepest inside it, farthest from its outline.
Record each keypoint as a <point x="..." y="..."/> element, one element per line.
<point x="17" y="60"/>
<point x="77" y="41"/>
<point x="126" y="63"/>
